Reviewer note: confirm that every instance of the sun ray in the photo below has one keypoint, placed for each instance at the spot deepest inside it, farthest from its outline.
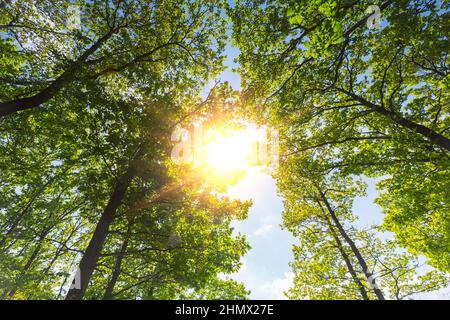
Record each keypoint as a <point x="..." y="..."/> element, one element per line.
<point x="228" y="150"/>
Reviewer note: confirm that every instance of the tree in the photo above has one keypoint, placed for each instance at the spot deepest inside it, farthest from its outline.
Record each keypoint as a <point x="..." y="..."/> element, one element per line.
<point x="124" y="40"/>
<point x="76" y="169"/>
<point x="337" y="260"/>
<point x="219" y="289"/>
<point x="359" y="100"/>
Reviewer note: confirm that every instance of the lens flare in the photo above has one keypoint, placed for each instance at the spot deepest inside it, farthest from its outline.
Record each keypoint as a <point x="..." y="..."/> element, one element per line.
<point x="229" y="151"/>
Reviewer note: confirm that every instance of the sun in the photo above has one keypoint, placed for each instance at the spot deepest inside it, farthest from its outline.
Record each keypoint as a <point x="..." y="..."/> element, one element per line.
<point x="229" y="150"/>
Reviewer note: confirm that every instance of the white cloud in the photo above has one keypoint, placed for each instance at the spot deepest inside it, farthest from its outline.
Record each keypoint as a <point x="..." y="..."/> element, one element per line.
<point x="261" y="287"/>
<point x="277" y="287"/>
<point x="263" y="230"/>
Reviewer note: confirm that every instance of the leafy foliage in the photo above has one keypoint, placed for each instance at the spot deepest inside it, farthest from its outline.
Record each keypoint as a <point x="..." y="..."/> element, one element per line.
<point x="359" y="101"/>
<point x="91" y="106"/>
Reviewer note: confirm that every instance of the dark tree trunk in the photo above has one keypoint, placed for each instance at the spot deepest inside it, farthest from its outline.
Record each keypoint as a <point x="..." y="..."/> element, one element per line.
<point x="348" y="263"/>
<point x="431" y="135"/>
<point x="92" y="253"/>
<point x="30" y="260"/>
<point x="59" y="252"/>
<point x="351" y="243"/>
<point x="12" y="106"/>
<point x="117" y="266"/>
<point x="428" y="133"/>
<point x="20" y="215"/>
<point x="43" y="96"/>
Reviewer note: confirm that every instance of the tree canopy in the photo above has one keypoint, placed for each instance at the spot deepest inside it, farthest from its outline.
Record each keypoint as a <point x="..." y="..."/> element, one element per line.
<point x="359" y="100"/>
<point x="92" y="94"/>
<point x="87" y="117"/>
<point x="352" y="99"/>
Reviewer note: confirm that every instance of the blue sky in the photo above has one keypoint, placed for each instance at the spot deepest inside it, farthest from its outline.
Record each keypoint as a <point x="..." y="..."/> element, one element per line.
<point x="265" y="270"/>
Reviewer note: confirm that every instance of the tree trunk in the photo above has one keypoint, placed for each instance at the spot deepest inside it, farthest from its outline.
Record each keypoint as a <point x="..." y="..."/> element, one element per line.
<point x="348" y="263"/>
<point x="352" y="245"/>
<point x="60" y="251"/>
<point x="12" y="106"/>
<point x="117" y="266"/>
<point x="30" y="260"/>
<point x="430" y="134"/>
<point x="43" y="96"/>
<point x="26" y="209"/>
<point x="92" y="253"/>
